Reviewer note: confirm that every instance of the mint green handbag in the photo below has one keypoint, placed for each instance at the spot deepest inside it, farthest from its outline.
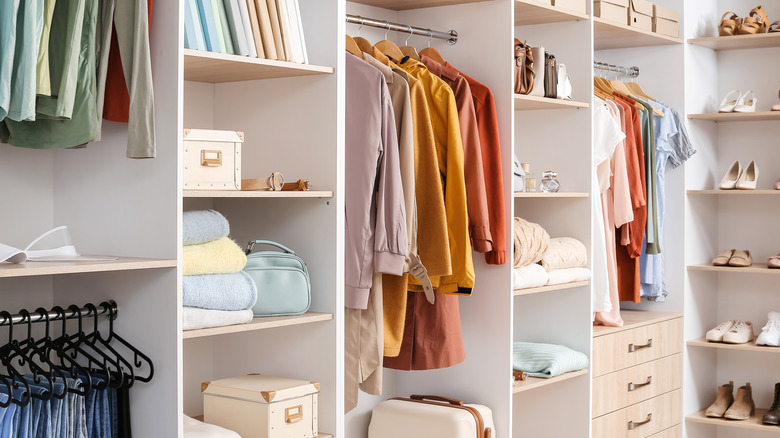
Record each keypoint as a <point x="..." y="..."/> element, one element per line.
<point x="283" y="286"/>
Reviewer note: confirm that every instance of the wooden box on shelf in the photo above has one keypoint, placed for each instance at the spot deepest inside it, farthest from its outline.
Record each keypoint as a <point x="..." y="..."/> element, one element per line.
<point x="611" y="10"/>
<point x="571" y="5"/>
<point x="258" y="406"/>
<point x="212" y="159"/>
<point x="666" y="21"/>
<point x="640" y="15"/>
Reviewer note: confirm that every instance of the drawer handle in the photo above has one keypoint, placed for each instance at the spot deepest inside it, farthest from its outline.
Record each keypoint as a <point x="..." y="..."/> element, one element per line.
<point x="632" y="348"/>
<point x="293" y="414"/>
<point x="210" y="158"/>
<point x="634" y="386"/>
<point x="634" y="424"/>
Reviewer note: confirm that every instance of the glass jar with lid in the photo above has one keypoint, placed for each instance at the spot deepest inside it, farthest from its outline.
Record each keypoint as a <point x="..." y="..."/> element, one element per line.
<point x="550" y="182"/>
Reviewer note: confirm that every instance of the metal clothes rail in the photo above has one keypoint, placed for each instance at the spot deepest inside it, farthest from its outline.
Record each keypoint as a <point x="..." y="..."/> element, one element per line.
<point x="630" y="72"/>
<point x="450" y="36"/>
<point x="69" y="313"/>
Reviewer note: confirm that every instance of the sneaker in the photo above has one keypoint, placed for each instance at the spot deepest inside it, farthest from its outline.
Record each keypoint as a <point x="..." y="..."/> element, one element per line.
<point x="716" y="334"/>
<point x="740" y="333"/>
<point x="770" y="334"/>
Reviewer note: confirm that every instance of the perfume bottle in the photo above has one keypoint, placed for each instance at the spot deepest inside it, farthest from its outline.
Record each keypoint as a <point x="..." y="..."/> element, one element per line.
<point x="530" y="178"/>
<point x="550" y="182"/>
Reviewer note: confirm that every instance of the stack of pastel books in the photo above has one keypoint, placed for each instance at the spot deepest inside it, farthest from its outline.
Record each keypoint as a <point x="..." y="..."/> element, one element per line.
<point x="269" y="29"/>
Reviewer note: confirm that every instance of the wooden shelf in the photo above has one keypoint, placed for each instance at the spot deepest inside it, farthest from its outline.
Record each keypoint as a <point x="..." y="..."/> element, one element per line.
<point x="528" y="12"/>
<point x="551" y="195"/>
<point x="735" y="192"/>
<point x="635" y="318"/>
<point x="543" y="289"/>
<point x="538" y="382"/>
<point x="757" y="268"/>
<point x="33" y="269"/>
<point x="739" y="42"/>
<point x="524" y="102"/>
<point x="401" y="5"/>
<point x="750" y="346"/>
<point x="256" y="194"/>
<point x="258" y="324"/>
<point x="753" y="423"/>
<point x="203" y="66"/>
<point x="738" y="117"/>
<point x="320" y="435"/>
<point x="612" y="35"/>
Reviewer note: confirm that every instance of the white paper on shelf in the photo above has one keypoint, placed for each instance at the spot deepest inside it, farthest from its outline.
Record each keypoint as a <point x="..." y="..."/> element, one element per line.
<point x="54" y="245"/>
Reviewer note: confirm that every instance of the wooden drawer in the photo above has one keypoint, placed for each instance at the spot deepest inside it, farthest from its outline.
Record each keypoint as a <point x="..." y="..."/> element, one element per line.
<point x="643" y="419"/>
<point x="620" y="350"/>
<point x="627" y="387"/>
<point x="673" y="432"/>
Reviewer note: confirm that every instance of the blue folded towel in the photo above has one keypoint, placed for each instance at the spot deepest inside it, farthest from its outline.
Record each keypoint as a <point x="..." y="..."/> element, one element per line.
<point x="201" y="226"/>
<point x="546" y="360"/>
<point x="219" y="291"/>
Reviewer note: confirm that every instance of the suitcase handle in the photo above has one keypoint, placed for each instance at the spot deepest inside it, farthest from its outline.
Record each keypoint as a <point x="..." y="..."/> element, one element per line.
<point x="451" y="401"/>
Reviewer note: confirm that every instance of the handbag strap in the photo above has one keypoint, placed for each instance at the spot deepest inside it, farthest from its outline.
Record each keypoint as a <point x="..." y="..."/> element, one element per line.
<point x="252" y="244"/>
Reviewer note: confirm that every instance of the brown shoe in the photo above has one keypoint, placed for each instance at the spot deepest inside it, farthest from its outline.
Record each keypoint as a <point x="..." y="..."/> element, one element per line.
<point x="741" y="259"/>
<point x="723" y="258"/>
<point x="743" y="406"/>
<point x="722" y="402"/>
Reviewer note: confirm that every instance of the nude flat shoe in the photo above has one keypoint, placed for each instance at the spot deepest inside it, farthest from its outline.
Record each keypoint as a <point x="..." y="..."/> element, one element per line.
<point x="741" y="259"/>
<point x="776" y="107"/>
<point x="748" y="179"/>
<point x="773" y="262"/>
<point x="729" y="181"/>
<point x="723" y="258"/>
<point x="777" y="184"/>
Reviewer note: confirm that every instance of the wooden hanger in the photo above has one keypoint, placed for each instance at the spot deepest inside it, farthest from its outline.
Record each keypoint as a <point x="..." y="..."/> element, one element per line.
<point x="353" y="48"/>
<point x="365" y="45"/>
<point x="390" y="49"/>
<point x="409" y="50"/>
<point x="433" y="54"/>
<point x="636" y="90"/>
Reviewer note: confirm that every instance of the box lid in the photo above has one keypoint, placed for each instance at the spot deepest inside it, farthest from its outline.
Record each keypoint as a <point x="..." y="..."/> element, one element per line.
<point x="621" y="3"/>
<point x="643" y="7"/>
<point x="259" y="388"/>
<point x="213" y="135"/>
<point x="666" y="13"/>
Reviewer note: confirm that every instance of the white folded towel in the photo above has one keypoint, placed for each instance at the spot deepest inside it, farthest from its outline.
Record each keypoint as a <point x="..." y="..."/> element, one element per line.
<point x="198" y="429"/>
<point x="529" y="276"/>
<point x="193" y="318"/>
<point x="570" y="275"/>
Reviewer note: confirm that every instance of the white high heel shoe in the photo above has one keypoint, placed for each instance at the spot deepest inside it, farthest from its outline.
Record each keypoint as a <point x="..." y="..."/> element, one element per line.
<point x="730" y="101"/>
<point x="748" y="179"/>
<point x="747" y="103"/>
<point x="729" y="181"/>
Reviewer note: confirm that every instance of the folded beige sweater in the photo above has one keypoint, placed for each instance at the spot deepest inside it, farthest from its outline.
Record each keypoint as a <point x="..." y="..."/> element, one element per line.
<point x="531" y="242"/>
<point x="564" y="253"/>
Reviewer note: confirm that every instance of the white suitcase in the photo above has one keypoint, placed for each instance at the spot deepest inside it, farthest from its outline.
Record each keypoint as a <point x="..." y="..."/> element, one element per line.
<point x="426" y="416"/>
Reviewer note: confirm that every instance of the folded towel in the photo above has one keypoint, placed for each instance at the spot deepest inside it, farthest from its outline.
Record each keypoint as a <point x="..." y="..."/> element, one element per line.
<point x="222" y="256"/>
<point x="193" y="318"/>
<point x="201" y="226"/>
<point x="531" y="242"/>
<point x="570" y="275"/>
<point x="219" y="291"/>
<point x="198" y="429"/>
<point x="546" y="360"/>
<point x="529" y="276"/>
<point x="563" y="253"/>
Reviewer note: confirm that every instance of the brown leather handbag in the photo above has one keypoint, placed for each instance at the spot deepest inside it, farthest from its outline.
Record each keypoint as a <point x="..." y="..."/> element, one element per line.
<point x="524" y="68"/>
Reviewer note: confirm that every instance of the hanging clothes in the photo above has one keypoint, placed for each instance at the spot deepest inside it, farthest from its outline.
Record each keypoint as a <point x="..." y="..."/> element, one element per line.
<point x="29" y="26"/>
<point x="8" y="11"/>
<point x="43" y="79"/>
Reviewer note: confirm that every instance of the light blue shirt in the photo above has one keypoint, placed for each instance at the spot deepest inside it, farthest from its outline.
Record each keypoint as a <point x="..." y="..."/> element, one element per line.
<point x="8" y="13"/>
<point x="25" y="80"/>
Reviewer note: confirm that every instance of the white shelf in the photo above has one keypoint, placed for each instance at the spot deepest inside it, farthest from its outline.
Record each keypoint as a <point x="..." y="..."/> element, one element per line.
<point x="258" y="324"/>
<point x="543" y="289"/>
<point x="739" y="42"/>
<point x="256" y="194"/>
<point x="760" y="116"/>
<point x="612" y="35"/>
<point x="756" y="268"/>
<point x="34" y="269"/>
<point x="753" y="423"/>
<point x="524" y="102"/>
<point x="401" y="5"/>
<point x="210" y="67"/>
<point x="538" y="382"/>
<point x="529" y="12"/>
<point x="551" y="195"/>
<point x="735" y="192"/>
<point x="750" y="346"/>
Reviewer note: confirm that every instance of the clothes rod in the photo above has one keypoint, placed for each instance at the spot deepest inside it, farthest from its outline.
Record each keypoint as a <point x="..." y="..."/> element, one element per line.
<point x="36" y="316"/>
<point x="630" y="72"/>
<point x="451" y="36"/>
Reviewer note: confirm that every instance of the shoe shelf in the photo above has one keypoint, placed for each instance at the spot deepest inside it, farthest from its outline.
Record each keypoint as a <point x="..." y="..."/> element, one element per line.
<point x="529" y="12"/>
<point x="401" y="5"/>
<point x="551" y="195"/>
<point x="739" y="42"/>
<point x="612" y="35"/>
<point x="524" y="102"/>
<point x="256" y="194"/>
<point x="750" y="346"/>
<point x="735" y="192"/>
<point x="34" y="269"/>
<point x="752" y="423"/>
<point x="543" y="289"/>
<point x="210" y="67"/>
<point x="258" y="324"/>
<point x="756" y="268"/>
<point x="760" y="116"/>
<point x="538" y="382"/>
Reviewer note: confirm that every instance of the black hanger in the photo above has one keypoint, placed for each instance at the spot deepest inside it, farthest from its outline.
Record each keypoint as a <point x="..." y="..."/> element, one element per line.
<point x="139" y="358"/>
<point x="95" y="340"/>
<point x="45" y="347"/>
<point x="30" y="350"/>
<point x="117" y="378"/>
<point x="18" y="379"/>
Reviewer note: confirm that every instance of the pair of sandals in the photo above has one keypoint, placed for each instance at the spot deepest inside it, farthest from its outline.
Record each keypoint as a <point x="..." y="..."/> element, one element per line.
<point x="733" y="257"/>
<point x="753" y="24"/>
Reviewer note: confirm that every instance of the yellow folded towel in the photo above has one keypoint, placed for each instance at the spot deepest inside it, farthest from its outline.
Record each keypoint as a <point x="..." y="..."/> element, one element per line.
<point x="221" y="256"/>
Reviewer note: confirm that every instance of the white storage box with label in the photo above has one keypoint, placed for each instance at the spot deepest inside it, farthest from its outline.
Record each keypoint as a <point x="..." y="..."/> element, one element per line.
<point x="640" y="15"/>
<point x="571" y="5"/>
<point x="611" y="10"/>
<point x="666" y="21"/>
<point x="258" y="406"/>
<point x="212" y="159"/>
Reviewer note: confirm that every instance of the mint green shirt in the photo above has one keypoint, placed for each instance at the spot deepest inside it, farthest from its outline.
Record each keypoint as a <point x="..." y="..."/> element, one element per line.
<point x="43" y="87"/>
<point x="23" y="84"/>
<point x="8" y="12"/>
